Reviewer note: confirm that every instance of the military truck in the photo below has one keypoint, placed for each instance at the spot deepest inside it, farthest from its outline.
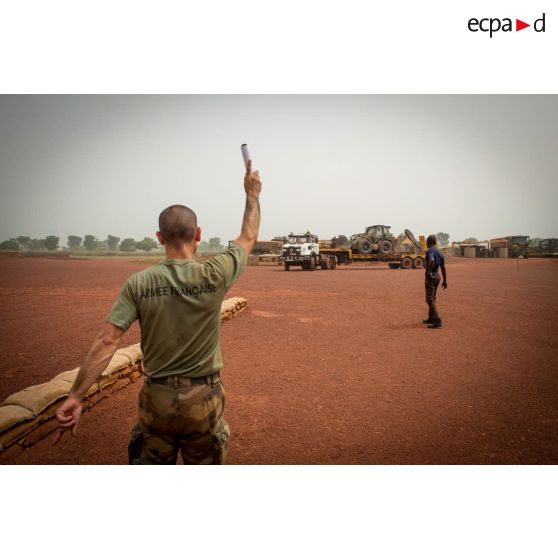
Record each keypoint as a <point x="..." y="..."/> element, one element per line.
<point x="267" y="247"/>
<point x="517" y="245"/>
<point x="546" y="248"/>
<point x="304" y="250"/>
<point x="376" y="239"/>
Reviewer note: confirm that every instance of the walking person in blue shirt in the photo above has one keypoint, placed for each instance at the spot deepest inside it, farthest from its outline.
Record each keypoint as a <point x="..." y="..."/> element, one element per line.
<point x="434" y="261"/>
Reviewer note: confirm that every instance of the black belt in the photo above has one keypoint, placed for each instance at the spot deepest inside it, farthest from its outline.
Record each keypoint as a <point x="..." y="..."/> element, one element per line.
<point x="177" y="380"/>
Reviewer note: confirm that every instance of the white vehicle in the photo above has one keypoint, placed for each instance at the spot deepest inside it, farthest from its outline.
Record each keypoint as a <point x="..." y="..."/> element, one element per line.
<point x="304" y="250"/>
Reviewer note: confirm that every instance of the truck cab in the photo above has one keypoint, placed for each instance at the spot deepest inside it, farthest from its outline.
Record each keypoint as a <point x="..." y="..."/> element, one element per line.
<point x="518" y="246"/>
<point x="303" y="250"/>
<point x="378" y="231"/>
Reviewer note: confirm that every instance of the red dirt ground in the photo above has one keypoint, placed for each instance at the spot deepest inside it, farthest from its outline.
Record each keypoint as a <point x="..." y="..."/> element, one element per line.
<point x="324" y="367"/>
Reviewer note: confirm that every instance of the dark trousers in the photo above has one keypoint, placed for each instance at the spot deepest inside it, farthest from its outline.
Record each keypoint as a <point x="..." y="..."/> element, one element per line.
<point x="431" y="286"/>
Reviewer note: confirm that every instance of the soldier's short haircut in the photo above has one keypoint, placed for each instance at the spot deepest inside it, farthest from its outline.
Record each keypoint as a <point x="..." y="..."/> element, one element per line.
<point x="431" y="240"/>
<point x="178" y="224"/>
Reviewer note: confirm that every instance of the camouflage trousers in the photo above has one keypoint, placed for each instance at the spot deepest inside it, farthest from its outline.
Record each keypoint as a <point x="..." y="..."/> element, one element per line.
<point x="177" y="416"/>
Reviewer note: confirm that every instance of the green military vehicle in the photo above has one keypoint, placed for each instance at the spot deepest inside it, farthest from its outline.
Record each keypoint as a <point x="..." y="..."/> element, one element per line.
<point x="546" y="248"/>
<point x="376" y="239"/>
<point x="517" y="245"/>
<point x="410" y="257"/>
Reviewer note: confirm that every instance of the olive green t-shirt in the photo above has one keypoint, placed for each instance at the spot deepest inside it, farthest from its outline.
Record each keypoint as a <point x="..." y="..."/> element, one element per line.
<point x="178" y="305"/>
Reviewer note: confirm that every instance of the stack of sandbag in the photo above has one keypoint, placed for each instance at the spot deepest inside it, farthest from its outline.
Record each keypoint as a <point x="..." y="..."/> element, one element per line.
<point x="232" y="306"/>
<point x="30" y="414"/>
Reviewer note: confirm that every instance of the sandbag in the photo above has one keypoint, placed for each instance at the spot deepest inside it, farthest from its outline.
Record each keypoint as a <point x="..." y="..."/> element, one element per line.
<point x="111" y="387"/>
<point x="232" y="306"/>
<point x="14" y="433"/>
<point x="9" y="454"/>
<point x="92" y="389"/>
<point x="135" y="375"/>
<point x="15" y="421"/>
<point x="117" y="362"/>
<point x="68" y="376"/>
<point x="133" y="352"/>
<point x="109" y="379"/>
<point x="120" y="383"/>
<point x="23" y="428"/>
<point x="128" y="370"/>
<point x="29" y="415"/>
<point x="11" y="415"/>
<point x="95" y="398"/>
<point x="43" y="429"/>
<point x="36" y="398"/>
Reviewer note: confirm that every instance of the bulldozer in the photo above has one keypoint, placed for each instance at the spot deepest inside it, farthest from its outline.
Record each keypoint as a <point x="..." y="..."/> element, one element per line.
<point x="376" y="239"/>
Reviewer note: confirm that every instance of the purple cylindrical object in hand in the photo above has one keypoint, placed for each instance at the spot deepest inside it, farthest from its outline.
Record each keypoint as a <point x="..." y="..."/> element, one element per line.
<point x="245" y="153"/>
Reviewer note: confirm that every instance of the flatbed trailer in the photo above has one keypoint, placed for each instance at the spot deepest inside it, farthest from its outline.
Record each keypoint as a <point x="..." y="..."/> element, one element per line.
<point x="401" y="260"/>
<point x="396" y="260"/>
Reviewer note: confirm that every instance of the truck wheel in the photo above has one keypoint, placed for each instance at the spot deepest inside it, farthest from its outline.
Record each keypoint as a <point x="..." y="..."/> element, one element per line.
<point x="418" y="263"/>
<point x="406" y="263"/>
<point x="287" y="267"/>
<point x="333" y="263"/>
<point x="385" y="247"/>
<point x="393" y="265"/>
<point x="324" y="264"/>
<point x="312" y="264"/>
<point x="364" y="246"/>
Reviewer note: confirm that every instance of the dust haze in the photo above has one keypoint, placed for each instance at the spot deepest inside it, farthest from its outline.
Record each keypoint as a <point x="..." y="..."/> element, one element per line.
<point x="470" y="165"/>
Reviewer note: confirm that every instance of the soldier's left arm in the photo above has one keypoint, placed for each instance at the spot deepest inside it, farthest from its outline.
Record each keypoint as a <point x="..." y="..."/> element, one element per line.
<point x="429" y="263"/>
<point x="102" y="350"/>
<point x="443" y="266"/>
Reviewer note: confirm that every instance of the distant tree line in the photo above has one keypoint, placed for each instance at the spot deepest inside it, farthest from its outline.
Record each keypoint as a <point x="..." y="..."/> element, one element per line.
<point x="212" y="245"/>
<point x="90" y="243"/>
<point x="30" y="244"/>
<point x="443" y="239"/>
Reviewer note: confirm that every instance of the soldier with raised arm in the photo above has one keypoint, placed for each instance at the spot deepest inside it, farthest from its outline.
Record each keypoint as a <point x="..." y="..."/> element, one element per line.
<point x="178" y="304"/>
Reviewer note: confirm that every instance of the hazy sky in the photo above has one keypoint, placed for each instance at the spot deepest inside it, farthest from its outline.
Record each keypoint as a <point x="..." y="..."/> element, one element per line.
<point x="481" y="166"/>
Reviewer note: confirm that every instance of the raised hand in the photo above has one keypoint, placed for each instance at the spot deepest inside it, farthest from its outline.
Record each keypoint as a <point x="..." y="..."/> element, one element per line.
<point x="252" y="181"/>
